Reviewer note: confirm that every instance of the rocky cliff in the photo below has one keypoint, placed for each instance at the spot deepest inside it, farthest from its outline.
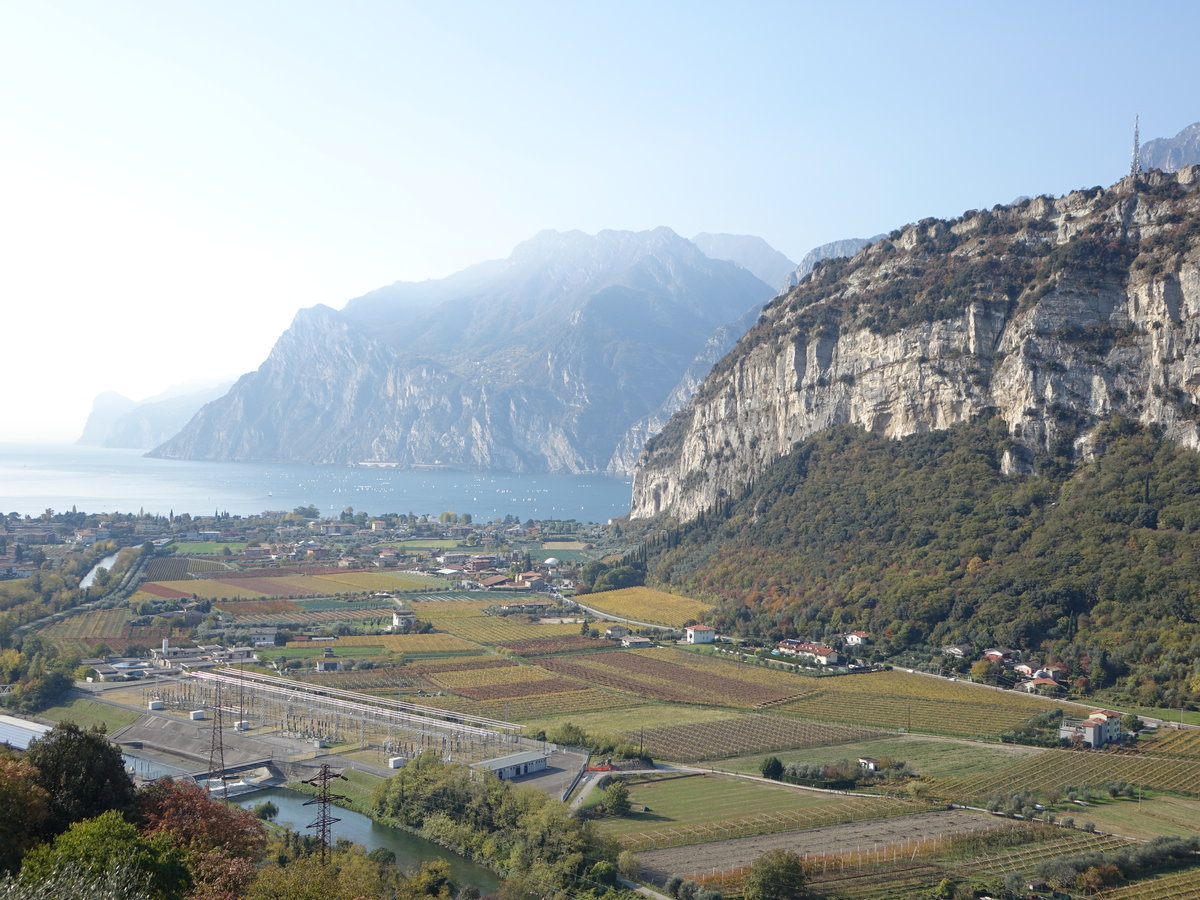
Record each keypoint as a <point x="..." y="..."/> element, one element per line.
<point x="1172" y="154"/>
<point x="1054" y="314"/>
<point x="540" y="362"/>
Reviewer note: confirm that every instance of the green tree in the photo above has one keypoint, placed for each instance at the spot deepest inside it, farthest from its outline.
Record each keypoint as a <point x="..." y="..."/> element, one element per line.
<point x="82" y="774"/>
<point x="772" y="767"/>
<point x="616" y="798"/>
<point x="106" y="842"/>
<point x="776" y="875"/>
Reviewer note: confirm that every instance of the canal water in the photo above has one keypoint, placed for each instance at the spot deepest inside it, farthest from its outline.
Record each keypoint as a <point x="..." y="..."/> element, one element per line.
<point x="410" y="850"/>
<point x="106" y="563"/>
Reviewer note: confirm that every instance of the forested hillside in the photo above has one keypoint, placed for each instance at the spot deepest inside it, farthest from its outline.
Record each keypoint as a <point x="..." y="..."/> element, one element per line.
<point x="923" y="542"/>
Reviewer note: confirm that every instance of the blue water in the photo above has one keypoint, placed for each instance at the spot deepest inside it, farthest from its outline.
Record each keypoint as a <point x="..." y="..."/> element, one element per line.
<point x="410" y="850"/>
<point x="34" y="478"/>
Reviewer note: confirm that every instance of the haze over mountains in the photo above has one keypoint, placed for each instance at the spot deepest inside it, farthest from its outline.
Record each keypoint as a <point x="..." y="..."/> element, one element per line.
<point x="118" y="422"/>
<point x="541" y="362"/>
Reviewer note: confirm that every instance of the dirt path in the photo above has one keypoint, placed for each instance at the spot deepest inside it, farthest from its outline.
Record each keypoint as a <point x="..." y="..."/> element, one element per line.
<point x="720" y="856"/>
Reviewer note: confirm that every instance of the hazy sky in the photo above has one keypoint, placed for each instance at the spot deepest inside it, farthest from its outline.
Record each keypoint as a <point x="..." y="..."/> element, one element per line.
<point x="177" y="179"/>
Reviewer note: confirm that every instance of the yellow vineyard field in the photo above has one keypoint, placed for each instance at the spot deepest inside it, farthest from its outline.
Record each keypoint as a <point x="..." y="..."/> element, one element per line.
<point x="646" y="605"/>
<point x="897" y="700"/>
<point x="524" y="708"/>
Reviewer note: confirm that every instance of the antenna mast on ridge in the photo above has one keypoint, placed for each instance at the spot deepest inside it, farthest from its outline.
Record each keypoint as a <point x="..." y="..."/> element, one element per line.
<point x="1135" y="164"/>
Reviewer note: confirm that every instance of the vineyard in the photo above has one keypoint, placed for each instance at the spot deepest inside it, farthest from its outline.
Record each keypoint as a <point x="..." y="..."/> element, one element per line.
<point x="645" y="604"/>
<point x="403" y="643"/>
<point x="584" y="700"/>
<point x="256" y="607"/>
<point x="744" y="735"/>
<point x="549" y="646"/>
<point x="281" y="583"/>
<point x="1183" y="884"/>
<point x="476" y="676"/>
<point x="643" y="674"/>
<point x="1051" y="770"/>
<point x="171" y="568"/>
<point x="699" y="809"/>
<point x="897" y="700"/>
<point x="84" y="634"/>
<point x="467" y="620"/>
<point x="313" y="618"/>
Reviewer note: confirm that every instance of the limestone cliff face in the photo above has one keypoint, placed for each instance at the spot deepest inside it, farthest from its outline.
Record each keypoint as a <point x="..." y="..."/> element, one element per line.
<point x="537" y="363"/>
<point x="1052" y="313"/>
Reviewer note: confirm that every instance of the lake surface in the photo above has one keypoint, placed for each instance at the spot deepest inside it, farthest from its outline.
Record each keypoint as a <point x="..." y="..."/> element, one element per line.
<point x="410" y="850"/>
<point x="34" y="478"/>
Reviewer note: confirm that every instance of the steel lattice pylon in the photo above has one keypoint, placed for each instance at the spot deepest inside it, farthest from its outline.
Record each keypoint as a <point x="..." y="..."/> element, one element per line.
<point x="216" y="753"/>
<point x="324" y="797"/>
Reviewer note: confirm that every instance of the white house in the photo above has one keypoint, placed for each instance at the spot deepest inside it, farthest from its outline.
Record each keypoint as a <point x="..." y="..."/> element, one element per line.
<point x="818" y="653"/>
<point x="699" y="634"/>
<point x="1102" y="726"/>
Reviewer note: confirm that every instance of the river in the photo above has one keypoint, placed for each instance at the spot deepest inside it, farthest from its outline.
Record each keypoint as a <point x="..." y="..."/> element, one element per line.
<point x="106" y="563"/>
<point x="410" y="850"/>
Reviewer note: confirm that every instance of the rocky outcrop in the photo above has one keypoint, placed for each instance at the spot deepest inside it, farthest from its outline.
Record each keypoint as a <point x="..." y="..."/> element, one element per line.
<point x="832" y="250"/>
<point x="1054" y="314"/>
<point x="1172" y="154"/>
<point x="750" y="252"/>
<point x="537" y="363"/>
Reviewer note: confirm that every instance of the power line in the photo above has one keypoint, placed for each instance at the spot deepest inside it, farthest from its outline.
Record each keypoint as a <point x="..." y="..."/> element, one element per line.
<point x="324" y="821"/>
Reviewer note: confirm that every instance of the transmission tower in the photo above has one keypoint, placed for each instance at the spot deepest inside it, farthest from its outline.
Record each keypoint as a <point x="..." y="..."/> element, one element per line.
<point x="216" y="753"/>
<point x="324" y="820"/>
<point x="1135" y="164"/>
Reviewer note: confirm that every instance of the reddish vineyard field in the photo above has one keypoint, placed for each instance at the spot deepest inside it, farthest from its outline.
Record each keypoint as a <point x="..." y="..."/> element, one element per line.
<point x="642" y="674"/>
<point x="744" y="735"/>
<point x="161" y="590"/>
<point x="566" y="643"/>
<point x="520" y="689"/>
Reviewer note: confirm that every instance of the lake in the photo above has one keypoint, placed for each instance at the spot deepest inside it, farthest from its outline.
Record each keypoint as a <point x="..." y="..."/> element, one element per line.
<point x="34" y="478"/>
<point x="410" y="850"/>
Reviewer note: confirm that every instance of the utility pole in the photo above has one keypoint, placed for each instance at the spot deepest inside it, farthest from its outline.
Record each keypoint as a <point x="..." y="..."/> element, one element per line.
<point x="324" y="798"/>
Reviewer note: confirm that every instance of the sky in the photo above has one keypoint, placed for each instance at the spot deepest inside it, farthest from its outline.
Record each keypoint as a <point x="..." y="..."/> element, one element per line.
<point x="178" y="179"/>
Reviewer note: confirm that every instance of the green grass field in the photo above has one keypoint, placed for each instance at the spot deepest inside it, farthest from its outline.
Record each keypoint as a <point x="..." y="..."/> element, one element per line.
<point x="705" y="798"/>
<point x="86" y="712"/>
<point x="207" y="548"/>
<point x="929" y="758"/>
<point x="1154" y="815"/>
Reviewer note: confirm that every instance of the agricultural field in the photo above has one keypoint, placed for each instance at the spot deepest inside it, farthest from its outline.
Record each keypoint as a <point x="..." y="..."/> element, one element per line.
<point x="1143" y="819"/>
<point x="663" y="675"/>
<point x="1180" y="885"/>
<point x="928" y="757"/>
<point x="467" y="620"/>
<point x="694" y="809"/>
<point x="174" y="568"/>
<point x="643" y="604"/>
<point x="896" y="701"/>
<point x="742" y="735"/>
<point x="256" y="607"/>
<point x="567" y="643"/>
<point x="1052" y="770"/>
<point x="207" y="548"/>
<point x="404" y="643"/>
<point x="284" y="583"/>
<point x="313" y="619"/>
<point x="84" y="634"/>
<point x="572" y="705"/>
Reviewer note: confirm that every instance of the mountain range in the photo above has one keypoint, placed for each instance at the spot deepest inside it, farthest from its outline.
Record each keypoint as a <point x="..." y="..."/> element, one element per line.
<point x="540" y="362"/>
